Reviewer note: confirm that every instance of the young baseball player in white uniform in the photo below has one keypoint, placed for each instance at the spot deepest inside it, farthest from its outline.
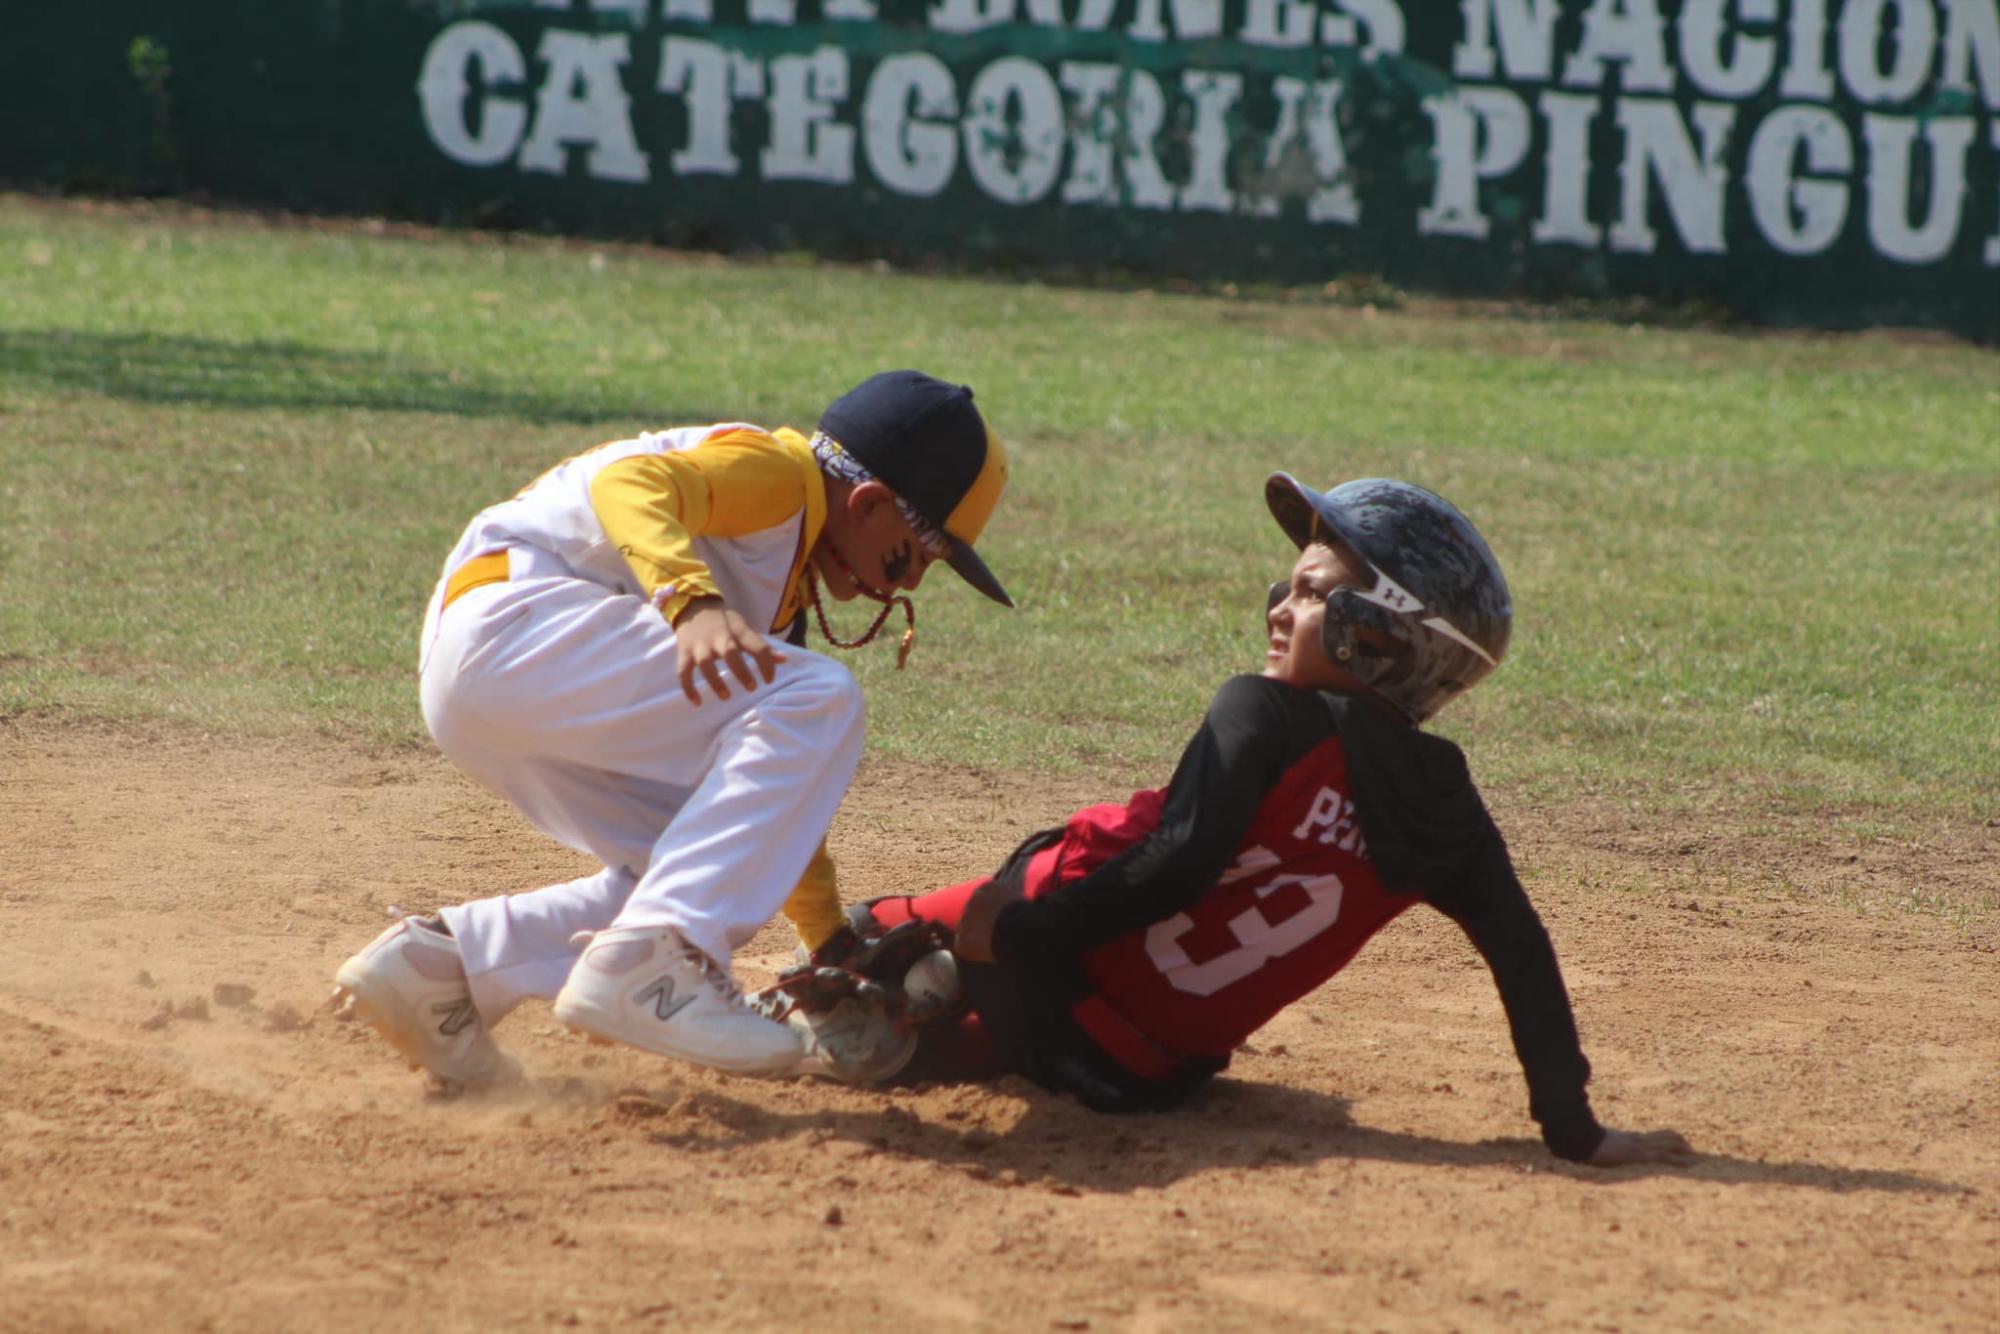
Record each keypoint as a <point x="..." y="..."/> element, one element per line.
<point x="600" y="651"/>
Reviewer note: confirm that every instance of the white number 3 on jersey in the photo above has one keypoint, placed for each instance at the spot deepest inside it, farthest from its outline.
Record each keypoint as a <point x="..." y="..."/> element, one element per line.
<point x="1258" y="938"/>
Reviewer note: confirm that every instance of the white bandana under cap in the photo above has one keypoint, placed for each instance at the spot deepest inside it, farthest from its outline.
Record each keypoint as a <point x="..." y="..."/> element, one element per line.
<point x="836" y="460"/>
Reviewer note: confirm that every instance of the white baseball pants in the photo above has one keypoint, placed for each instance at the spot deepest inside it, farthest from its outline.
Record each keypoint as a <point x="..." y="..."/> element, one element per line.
<point x="562" y="696"/>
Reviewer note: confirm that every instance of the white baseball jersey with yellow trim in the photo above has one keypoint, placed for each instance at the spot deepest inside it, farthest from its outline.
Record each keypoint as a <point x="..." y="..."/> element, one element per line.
<point x="556" y="686"/>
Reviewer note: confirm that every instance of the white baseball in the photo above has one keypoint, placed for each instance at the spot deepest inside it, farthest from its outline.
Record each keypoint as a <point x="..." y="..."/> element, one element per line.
<point x="932" y="980"/>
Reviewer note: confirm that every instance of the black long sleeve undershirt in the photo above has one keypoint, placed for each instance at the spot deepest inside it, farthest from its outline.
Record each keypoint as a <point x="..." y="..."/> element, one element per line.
<point x="1431" y="834"/>
<point x="1255" y="730"/>
<point x="1427" y="828"/>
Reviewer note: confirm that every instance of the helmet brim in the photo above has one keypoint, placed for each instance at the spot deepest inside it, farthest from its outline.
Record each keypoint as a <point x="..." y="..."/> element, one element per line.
<point x="1301" y="511"/>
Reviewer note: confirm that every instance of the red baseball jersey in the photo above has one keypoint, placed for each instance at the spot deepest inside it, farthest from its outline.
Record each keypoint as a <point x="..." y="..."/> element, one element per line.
<point x="1296" y="903"/>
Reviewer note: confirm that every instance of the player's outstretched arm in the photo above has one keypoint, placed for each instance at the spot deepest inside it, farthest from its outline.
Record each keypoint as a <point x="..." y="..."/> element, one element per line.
<point x="1625" y="1148"/>
<point x="974" y="939"/>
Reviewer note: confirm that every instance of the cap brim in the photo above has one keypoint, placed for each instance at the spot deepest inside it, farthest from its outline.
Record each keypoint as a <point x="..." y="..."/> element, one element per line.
<point x="965" y="560"/>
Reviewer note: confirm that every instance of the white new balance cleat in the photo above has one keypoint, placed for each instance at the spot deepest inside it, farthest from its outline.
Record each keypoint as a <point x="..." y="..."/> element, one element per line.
<point x="648" y="987"/>
<point x="409" y="985"/>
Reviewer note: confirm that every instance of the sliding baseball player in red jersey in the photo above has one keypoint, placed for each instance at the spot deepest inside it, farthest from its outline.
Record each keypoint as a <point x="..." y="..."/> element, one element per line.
<point x="1122" y="957"/>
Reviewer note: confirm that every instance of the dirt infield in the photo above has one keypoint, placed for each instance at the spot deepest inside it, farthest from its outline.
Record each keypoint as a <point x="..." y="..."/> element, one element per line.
<point x="189" y="1143"/>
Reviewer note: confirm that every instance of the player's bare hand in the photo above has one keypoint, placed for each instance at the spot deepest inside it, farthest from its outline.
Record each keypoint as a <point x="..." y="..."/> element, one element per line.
<point x="709" y="637"/>
<point x="973" y="940"/>
<point x="1624" y="1148"/>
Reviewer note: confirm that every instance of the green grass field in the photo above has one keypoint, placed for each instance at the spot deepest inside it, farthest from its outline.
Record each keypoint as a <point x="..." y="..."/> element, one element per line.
<point x="1746" y="568"/>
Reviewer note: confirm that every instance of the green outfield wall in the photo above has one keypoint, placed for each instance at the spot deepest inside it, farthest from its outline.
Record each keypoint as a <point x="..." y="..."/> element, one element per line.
<point x="1822" y="162"/>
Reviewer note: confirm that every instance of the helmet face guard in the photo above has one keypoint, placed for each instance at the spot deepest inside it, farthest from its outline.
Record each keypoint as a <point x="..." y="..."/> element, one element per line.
<point x="1439" y="601"/>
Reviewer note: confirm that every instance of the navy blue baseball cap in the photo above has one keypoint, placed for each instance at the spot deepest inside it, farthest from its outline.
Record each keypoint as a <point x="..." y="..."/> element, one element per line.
<point x="927" y="442"/>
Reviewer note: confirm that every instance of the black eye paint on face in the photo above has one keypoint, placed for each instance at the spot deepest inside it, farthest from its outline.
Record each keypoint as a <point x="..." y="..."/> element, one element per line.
<point x="897" y="563"/>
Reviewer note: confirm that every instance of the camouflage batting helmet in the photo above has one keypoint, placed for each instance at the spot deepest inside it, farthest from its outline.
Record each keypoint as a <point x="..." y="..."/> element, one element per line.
<point x="1438" y="592"/>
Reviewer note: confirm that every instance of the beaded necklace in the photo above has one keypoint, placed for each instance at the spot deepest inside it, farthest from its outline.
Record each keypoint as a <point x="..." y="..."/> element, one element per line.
<point x="874" y="629"/>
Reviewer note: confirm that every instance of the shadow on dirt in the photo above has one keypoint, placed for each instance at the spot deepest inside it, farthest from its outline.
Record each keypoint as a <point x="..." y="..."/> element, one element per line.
<point x="1232" y="1124"/>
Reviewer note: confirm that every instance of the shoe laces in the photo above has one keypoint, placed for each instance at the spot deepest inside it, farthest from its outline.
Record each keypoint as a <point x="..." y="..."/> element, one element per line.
<point x="699" y="957"/>
<point x="715" y="972"/>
